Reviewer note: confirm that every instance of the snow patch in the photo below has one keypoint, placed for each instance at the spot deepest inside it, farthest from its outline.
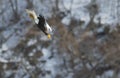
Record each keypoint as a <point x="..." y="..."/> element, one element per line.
<point x="4" y="47"/>
<point x="3" y="60"/>
<point x="31" y="42"/>
<point x="66" y="20"/>
<point x="46" y="53"/>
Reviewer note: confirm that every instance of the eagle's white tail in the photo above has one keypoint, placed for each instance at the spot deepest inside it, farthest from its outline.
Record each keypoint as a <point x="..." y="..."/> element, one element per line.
<point x="32" y="14"/>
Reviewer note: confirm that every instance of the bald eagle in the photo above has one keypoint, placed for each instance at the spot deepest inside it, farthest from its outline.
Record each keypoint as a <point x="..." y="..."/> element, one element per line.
<point x="40" y="22"/>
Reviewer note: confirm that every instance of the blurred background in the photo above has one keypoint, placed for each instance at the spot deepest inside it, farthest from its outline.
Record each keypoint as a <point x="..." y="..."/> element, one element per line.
<point x="85" y="41"/>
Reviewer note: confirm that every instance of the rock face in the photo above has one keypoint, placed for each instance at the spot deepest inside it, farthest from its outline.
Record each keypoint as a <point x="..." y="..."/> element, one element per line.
<point x="84" y="44"/>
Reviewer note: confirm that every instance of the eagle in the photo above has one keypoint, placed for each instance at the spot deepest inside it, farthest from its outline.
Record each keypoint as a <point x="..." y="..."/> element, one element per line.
<point x="40" y="22"/>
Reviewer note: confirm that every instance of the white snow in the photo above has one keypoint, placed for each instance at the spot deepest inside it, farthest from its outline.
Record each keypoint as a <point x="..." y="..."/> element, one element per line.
<point x="51" y="64"/>
<point x="4" y="47"/>
<point x="107" y="13"/>
<point x="7" y="33"/>
<point x="108" y="74"/>
<point x="66" y="20"/>
<point x="78" y="11"/>
<point x="3" y="60"/>
<point x="12" y="41"/>
<point x="46" y="53"/>
<point x="31" y="42"/>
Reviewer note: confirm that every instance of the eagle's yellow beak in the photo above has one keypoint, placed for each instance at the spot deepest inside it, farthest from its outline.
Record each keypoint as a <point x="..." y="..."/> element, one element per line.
<point x="49" y="36"/>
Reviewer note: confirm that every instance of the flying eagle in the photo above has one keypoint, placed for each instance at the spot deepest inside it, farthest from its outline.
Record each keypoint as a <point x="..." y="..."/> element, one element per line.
<point x="40" y="22"/>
